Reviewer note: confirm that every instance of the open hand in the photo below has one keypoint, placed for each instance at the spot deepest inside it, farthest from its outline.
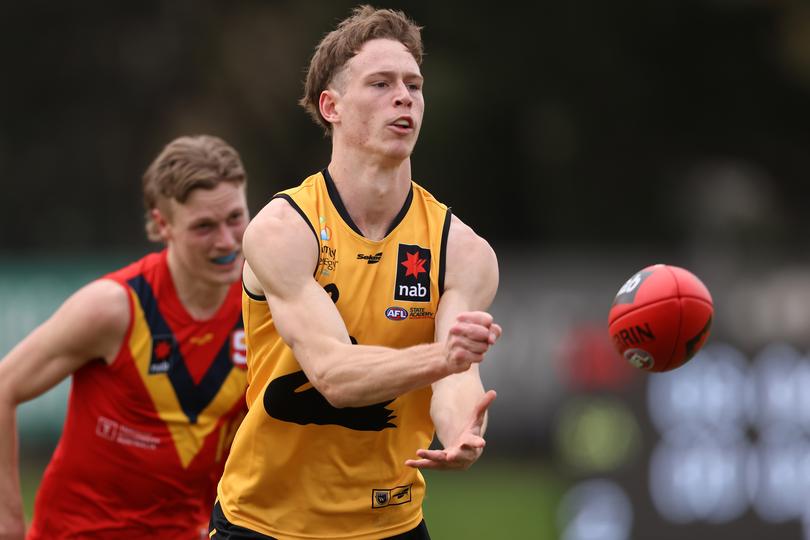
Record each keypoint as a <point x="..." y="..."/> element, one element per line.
<point x="465" y="450"/>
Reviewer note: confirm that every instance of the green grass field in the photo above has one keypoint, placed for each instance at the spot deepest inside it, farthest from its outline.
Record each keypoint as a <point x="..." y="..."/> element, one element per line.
<point x="494" y="500"/>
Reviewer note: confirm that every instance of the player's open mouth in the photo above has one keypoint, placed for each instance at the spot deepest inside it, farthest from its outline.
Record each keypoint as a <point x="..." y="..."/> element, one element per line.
<point x="403" y="122"/>
<point x="225" y="259"/>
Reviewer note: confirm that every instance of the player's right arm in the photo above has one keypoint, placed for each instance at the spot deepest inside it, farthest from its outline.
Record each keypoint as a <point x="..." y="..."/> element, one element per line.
<point x="91" y="324"/>
<point x="281" y="256"/>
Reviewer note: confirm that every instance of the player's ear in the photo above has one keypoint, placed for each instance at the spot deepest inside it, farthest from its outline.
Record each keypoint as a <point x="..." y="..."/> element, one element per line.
<point x="328" y="105"/>
<point x="161" y="222"/>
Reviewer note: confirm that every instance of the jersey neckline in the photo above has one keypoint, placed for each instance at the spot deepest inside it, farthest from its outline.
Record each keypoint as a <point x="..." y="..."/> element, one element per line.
<point x="337" y="202"/>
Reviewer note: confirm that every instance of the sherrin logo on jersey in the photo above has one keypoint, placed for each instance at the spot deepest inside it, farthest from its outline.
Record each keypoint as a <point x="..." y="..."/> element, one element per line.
<point x="413" y="274"/>
<point x="395" y="313"/>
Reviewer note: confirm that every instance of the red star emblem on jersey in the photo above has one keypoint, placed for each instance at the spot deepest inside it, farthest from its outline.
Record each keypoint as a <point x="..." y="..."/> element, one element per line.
<point x="162" y="350"/>
<point x="413" y="265"/>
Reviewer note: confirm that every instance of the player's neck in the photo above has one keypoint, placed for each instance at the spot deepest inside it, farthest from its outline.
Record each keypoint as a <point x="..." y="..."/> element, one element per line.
<point x="372" y="192"/>
<point x="201" y="299"/>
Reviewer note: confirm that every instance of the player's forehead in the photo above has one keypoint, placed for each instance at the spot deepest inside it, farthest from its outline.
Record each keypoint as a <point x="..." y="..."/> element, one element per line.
<point x="383" y="56"/>
<point x="224" y="199"/>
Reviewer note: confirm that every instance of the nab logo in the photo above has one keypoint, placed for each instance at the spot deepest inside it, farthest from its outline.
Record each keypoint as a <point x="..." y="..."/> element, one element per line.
<point x="164" y="352"/>
<point x="395" y="313"/>
<point x="413" y="274"/>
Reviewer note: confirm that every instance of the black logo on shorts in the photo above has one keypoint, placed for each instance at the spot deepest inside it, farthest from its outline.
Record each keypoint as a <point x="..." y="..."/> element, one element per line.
<point x="413" y="274"/>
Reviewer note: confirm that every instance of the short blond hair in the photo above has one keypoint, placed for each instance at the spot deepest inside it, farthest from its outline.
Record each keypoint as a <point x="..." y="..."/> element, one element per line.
<point x="185" y="164"/>
<point x="344" y="42"/>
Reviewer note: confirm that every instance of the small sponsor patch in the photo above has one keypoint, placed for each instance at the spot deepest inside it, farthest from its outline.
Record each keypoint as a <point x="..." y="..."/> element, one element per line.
<point x="370" y="259"/>
<point x="113" y="431"/>
<point x="395" y="313"/>
<point x="421" y="313"/>
<point x="106" y="428"/>
<point x="164" y="352"/>
<point x="413" y="274"/>
<point x="327" y="261"/>
<point x="390" y="497"/>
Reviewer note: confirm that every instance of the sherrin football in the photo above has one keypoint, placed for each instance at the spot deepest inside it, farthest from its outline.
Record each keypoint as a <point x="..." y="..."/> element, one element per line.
<point x="660" y="317"/>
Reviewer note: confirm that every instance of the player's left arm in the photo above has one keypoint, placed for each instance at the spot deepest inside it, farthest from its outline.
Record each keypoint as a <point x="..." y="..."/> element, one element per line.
<point x="459" y="404"/>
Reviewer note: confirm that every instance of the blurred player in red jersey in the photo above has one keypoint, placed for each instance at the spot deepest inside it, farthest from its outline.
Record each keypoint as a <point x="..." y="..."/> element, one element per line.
<point x="156" y="352"/>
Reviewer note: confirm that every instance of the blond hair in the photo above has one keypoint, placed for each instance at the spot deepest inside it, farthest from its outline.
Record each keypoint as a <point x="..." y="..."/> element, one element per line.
<point x="185" y="164"/>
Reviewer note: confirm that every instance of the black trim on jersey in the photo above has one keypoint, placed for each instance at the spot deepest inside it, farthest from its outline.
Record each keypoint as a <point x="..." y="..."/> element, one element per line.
<point x="402" y="212"/>
<point x="443" y="251"/>
<point x="306" y="220"/>
<point x="331" y="189"/>
<point x="254" y="296"/>
<point x="193" y="398"/>
<point x="303" y="215"/>
<point x="337" y="202"/>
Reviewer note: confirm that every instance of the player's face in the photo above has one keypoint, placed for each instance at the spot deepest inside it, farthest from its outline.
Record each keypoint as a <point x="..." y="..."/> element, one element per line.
<point x="205" y="233"/>
<point x="380" y="101"/>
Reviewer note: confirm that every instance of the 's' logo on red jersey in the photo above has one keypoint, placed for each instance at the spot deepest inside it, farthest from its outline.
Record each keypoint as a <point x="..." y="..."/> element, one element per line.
<point x="413" y="274"/>
<point x="239" y="349"/>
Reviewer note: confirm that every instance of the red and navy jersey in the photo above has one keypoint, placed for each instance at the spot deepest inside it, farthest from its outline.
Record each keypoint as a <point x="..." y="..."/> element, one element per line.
<point x="146" y="437"/>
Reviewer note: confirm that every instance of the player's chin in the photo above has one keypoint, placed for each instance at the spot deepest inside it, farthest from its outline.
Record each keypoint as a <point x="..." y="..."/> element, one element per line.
<point x="399" y="150"/>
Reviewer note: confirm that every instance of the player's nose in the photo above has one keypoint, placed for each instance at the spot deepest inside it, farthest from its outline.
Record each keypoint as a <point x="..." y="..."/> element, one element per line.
<point x="226" y="238"/>
<point x="403" y="94"/>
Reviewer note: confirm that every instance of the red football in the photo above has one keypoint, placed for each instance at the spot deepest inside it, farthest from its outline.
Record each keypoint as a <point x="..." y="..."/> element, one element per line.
<point x="660" y="318"/>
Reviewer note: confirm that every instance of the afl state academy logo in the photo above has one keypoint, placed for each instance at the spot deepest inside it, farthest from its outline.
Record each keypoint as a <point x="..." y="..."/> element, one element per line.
<point x="413" y="274"/>
<point x="395" y="313"/>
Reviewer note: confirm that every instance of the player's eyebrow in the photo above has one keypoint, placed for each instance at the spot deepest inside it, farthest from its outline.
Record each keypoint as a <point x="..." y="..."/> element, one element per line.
<point x="389" y="73"/>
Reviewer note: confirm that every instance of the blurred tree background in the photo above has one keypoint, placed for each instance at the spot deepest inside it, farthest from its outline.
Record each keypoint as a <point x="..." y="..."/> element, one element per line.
<point x="576" y="123"/>
<point x="584" y="139"/>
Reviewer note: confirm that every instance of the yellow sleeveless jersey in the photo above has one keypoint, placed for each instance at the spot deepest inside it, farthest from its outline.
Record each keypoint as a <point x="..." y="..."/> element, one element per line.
<point x="300" y="468"/>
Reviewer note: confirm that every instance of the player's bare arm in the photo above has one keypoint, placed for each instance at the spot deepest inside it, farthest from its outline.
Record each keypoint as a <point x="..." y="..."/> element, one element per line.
<point x="281" y="257"/>
<point x="459" y="404"/>
<point x="90" y="325"/>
